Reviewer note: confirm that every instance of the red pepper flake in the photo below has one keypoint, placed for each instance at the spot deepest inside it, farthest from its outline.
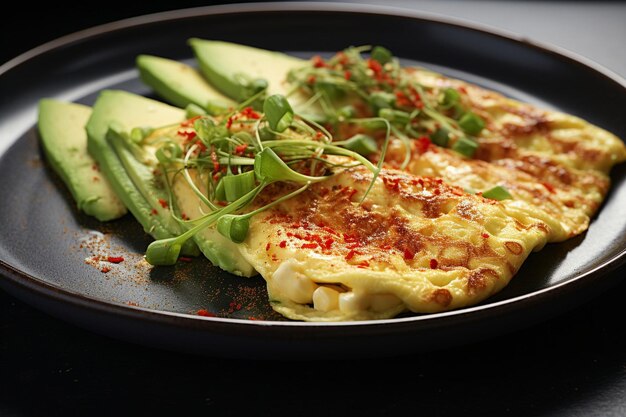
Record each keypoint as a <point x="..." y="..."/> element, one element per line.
<point x="154" y="212"/>
<point x="462" y="89"/>
<point x="105" y="269"/>
<point x="283" y="244"/>
<point x="402" y="100"/>
<point x="433" y="264"/>
<point x="230" y="121"/>
<point x="163" y="203"/>
<point x="408" y="254"/>
<point x="328" y="243"/>
<point x="485" y="235"/>
<point x="422" y="144"/>
<point x="549" y="187"/>
<point x="115" y="259"/>
<point x="184" y="259"/>
<point x="329" y="230"/>
<point x="374" y="66"/>
<point x="311" y="79"/>
<point x="240" y="149"/>
<point x="184" y="216"/>
<point x="267" y="247"/>
<point x="187" y="134"/>
<point x="205" y="313"/>
<point x="189" y="122"/>
<point x="363" y="264"/>
<point x="309" y="246"/>
<point x="250" y="113"/>
<point x="343" y="58"/>
<point x="347" y="75"/>
<point x="350" y="254"/>
<point x="318" y="62"/>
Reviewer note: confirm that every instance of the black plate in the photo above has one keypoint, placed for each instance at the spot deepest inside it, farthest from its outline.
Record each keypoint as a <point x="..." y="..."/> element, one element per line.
<point x="44" y="241"/>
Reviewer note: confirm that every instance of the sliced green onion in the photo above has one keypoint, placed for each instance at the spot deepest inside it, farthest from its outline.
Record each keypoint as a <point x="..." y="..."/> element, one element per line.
<point x="193" y="110"/>
<point x="382" y="55"/>
<point x="450" y="97"/>
<point x="395" y="116"/>
<point x="360" y="143"/>
<point x="471" y="123"/>
<point x="466" y="147"/>
<point x="497" y="193"/>
<point x="236" y="186"/>
<point x="278" y="112"/>
<point x="441" y="137"/>
<point x="234" y="227"/>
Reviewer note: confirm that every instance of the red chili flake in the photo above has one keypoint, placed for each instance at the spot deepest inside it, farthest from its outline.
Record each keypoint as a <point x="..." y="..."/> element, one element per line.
<point x="462" y="89"/>
<point x="363" y="264"/>
<point x="402" y="100"/>
<point x="433" y="264"/>
<point x="115" y="259"/>
<point x="343" y="58"/>
<point x="422" y="144"/>
<point x="409" y="254"/>
<point x="250" y="113"/>
<point x="184" y="259"/>
<point x="311" y="79"/>
<point x="189" y="122"/>
<point x="229" y="122"/>
<point x="392" y="184"/>
<point x="187" y="134"/>
<point x="374" y="66"/>
<point x="163" y="203"/>
<point x="283" y="244"/>
<point x="318" y="62"/>
<point x="350" y="192"/>
<point x="205" y="313"/>
<point x="324" y="191"/>
<point x="105" y="269"/>
<point x="549" y="187"/>
<point x="240" y="149"/>
<point x="309" y="246"/>
<point x="329" y="230"/>
<point x="350" y="254"/>
<point x="485" y="235"/>
<point x="347" y="75"/>
<point x="267" y="247"/>
<point x="154" y="212"/>
<point x="184" y="216"/>
<point x="328" y="243"/>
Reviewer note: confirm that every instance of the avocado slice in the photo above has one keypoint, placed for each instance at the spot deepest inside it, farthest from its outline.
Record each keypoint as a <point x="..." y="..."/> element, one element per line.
<point x="134" y="183"/>
<point x="179" y="83"/>
<point x="64" y="140"/>
<point x="228" y="65"/>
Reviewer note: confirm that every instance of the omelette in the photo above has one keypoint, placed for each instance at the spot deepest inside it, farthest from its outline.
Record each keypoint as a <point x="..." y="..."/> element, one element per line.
<point x="412" y="193"/>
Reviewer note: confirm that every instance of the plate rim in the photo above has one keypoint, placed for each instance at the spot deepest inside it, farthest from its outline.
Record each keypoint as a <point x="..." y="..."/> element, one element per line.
<point x="41" y="287"/>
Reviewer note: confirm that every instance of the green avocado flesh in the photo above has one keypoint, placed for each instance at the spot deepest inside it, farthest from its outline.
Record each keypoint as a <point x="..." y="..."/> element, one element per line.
<point x="226" y="64"/>
<point x="133" y="182"/>
<point x="62" y="131"/>
<point x="179" y="83"/>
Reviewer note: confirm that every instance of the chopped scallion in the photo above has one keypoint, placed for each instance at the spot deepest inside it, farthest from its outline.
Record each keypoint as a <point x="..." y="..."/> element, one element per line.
<point x="381" y="54"/>
<point x="497" y="193"/>
<point x="466" y="147"/>
<point x="471" y="123"/>
<point x="440" y="137"/>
